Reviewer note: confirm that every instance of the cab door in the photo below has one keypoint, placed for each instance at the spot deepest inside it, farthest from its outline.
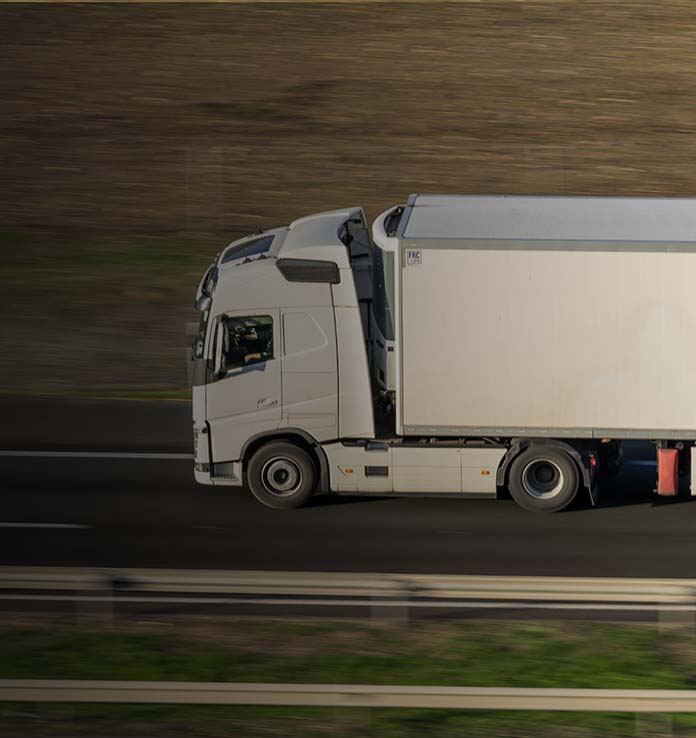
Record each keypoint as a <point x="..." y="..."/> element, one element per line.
<point x="244" y="396"/>
<point x="310" y="371"/>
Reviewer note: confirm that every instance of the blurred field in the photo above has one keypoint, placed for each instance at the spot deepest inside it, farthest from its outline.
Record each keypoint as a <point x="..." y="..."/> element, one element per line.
<point x="100" y="313"/>
<point x="204" y="119"/>
<point x="524" y="654"/>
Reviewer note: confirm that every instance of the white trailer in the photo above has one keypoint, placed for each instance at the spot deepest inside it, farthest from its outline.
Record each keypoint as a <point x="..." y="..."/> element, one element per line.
<point x="472" y="345"/>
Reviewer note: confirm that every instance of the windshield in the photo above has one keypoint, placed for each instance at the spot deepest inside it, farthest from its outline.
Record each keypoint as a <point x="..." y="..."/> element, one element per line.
<point x="248" y="248"/>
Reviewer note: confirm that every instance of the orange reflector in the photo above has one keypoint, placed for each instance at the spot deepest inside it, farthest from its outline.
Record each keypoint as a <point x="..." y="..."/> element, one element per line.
<point x="485" y="472"/>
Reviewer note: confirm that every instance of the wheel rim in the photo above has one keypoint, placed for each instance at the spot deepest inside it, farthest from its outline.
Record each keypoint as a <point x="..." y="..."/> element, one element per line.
<point x="281" y="476"/>
<point x="542" y="479"/>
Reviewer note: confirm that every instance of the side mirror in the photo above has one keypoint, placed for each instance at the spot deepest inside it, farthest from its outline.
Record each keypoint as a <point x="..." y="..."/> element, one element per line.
<point x="203" y="303"/>
<point x="197" y="348"/>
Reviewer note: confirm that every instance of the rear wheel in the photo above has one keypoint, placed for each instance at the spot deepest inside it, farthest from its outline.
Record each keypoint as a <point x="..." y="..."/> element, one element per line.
<point x="543" y="479"/>
<point x="282" y="475"/>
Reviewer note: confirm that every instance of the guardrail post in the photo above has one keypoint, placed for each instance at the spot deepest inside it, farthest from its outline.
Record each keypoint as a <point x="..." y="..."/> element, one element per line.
<point x="398" y="614"/>
<point x="88" y="609"/>
<point x="381" y="613"/>
<point x="105" y="607"/>
<point x="98" y="603"/>
<point x="670" y="619"/>
<point x="654" y="725"/>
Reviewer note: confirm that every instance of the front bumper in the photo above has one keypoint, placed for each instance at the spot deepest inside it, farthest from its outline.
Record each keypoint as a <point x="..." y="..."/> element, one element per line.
<point x="202" y="477"/>
<point x="228" y="473"/>
<point x="201" y="453"/>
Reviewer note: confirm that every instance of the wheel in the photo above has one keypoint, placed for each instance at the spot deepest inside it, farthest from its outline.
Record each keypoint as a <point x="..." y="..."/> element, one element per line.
<point x="543" y="479"/>
<point x="282" y="475"/>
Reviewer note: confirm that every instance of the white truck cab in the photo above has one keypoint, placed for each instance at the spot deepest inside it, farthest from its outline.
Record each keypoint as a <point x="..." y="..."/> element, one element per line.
<point x="467" y="346"/>
<point x="281" y="354"/>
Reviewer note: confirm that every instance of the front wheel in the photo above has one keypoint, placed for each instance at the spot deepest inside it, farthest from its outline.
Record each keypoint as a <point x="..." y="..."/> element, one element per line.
<point x="543" y="479"/>
<point x="282" y="475"/>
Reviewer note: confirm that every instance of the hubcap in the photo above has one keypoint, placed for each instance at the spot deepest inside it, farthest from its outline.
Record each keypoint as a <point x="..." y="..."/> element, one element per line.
<point x="542" y="479"/>
<point x="281" y="476"/>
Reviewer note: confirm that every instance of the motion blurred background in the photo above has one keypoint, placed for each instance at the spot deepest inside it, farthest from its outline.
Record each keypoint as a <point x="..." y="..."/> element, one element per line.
<point x="138" y="139"/>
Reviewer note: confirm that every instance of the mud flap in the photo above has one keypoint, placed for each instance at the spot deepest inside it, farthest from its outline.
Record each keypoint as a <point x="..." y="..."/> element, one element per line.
<point x="593" y="489"/>
<point x="667" y="472"/>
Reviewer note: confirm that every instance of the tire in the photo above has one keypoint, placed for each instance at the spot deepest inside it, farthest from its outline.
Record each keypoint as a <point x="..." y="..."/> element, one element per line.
<point x="282" y="475"/>
<point x="543" y="479"/>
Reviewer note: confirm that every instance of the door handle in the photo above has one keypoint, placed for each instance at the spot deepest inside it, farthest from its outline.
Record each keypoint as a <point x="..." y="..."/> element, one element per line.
<point x="267" y="402"/>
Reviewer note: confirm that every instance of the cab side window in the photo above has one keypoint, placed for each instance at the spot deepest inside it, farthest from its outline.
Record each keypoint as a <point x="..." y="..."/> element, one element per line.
<point x="247" y="340"/>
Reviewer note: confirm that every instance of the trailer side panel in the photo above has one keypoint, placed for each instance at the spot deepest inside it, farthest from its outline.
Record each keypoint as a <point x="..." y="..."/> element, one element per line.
<point x="555" y="339"/>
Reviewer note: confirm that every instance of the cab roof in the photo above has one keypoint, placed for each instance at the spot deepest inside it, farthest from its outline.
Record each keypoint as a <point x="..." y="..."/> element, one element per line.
<point x="318" y="237"/>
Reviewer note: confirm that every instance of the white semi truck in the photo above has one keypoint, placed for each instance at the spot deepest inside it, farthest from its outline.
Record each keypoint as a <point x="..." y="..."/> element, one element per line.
<point x="468" y="346"/>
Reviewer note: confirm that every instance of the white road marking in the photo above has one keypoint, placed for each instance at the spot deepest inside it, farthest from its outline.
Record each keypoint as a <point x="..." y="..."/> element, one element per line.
<point x="93" y="455"/>
<point x="44" y="525"/>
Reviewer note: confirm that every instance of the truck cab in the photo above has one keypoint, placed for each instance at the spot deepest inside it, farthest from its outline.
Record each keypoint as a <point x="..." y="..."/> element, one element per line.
<point x="282" y="351"/>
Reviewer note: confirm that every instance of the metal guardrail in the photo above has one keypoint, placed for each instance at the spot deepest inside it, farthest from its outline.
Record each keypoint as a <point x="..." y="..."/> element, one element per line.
<point x="674" y="600"/>
<point x="349" y="695"/>
<point x="317" y="588"/>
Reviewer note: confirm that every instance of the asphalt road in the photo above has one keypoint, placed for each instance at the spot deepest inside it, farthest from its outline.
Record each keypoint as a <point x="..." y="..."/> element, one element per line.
<point x="95" y="425"/>
<point x="149" y="512"/>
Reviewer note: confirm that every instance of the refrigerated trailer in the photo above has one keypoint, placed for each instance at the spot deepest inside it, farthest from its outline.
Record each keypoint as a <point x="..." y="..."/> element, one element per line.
<point x="467" y="346"/>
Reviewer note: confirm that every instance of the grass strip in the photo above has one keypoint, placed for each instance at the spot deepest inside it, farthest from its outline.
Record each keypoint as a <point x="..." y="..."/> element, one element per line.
<point x="455" y="654"/>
